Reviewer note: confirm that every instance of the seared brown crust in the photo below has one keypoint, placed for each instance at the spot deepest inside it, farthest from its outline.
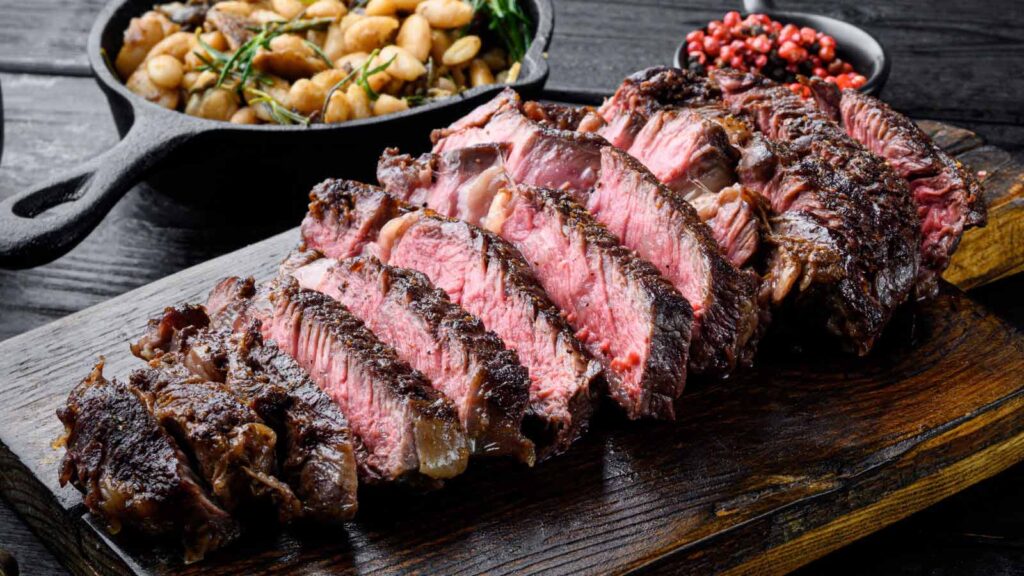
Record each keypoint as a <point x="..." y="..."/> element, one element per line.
<point x="729" y="327"/>
<point x="504" y="384"/>
<point x="132" y="472"/>
<point x="347" y="212"/>
<point x="671" y="315"/>
<point x="557" y="116"/>
<point x="551" y="437"/>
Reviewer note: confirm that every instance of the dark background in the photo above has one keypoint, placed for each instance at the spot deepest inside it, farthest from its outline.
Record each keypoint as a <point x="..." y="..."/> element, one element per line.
<point x="954" y="61"/>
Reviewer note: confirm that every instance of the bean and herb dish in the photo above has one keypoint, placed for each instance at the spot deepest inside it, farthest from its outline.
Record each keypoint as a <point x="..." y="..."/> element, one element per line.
<point x="307" y="61"/>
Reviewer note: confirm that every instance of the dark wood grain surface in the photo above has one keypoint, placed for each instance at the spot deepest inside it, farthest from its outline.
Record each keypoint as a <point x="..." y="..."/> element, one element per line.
<point x="960" y="62"/>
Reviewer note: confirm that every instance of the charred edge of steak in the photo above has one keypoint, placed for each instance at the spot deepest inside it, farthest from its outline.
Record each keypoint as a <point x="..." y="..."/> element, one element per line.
<point x="912" y="154"/>
<point x="497" y="385"/>
<point x="346" y="215"/>
<point x="647" y="91"/>
<point x="550" y="436"/>
<point x="235" y="451"/>
<point x="314" y="442"/>
<point x="557" y="116"/>
<point x="438" y="440"/>
<point x="729" y="328"/>
<point x="664" y="373"/>
<point x="507" y="99"/>
<point x="402" y="176"/>
<point x="132" y="473"/>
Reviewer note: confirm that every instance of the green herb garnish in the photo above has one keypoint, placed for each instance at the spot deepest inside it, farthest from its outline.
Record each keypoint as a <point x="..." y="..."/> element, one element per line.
<point x="506" y="19"/>
<point x="278" y="111"/>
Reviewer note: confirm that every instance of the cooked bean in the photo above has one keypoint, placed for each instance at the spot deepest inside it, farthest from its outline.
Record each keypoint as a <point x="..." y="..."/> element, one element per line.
<point x="306" y="97"/>
<point x="446" y="14"/>
<point x="480" y="73"/>
<point x="176" y="45"/>
<point x="406" y="5"/>
<point x="380" y="8"/>
<point x="459" y="77"/>
<point x="496" y="59"/>
<point x="513" y="72"/>
<point x="351" y="61"/>
<point x="439" y="43"/>
<point x="328" y="78"/>
<point x="359" y="102"/>
<point x="446" y="84"/>
<point x="140" y="83"/>
<point x="370" y="33"/>
<point x="338" y="108"/>
<point x="326" y="9"/>
<point x="388" y="104"/>
<point x="405" y="66"/>
<point x="287" y="8"/>
<point x="217" y="104"/>
<point x="140" y="36"/>
<point x="216" y="40"/>
<point x="267" y="16"/>
<point x="461" y="51"/>
<point x="244" y="115"/>
<point x="234" y="7"/>
<point x="278" y="90"/>
<point x="414" y="37"/>
<point x="334" y="44"/>
<point x="289" y="57"/>
<point x="165" y="71"/>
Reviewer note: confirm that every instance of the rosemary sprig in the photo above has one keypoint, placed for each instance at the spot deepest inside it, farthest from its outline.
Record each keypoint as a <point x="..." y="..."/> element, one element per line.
<point x="506" y="19"/>
<point x="278" y="112"/>
<point x="319" y="52"/>
<point x="362" y="75"/>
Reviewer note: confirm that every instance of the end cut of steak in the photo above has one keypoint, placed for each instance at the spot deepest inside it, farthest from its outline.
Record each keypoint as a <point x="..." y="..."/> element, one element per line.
<point x="233" y="448"/>
<point x="314" y="440"/>
<point x="645" y="216"/>
<point x="734" y="217"/>
<point x="624" y="311"/>
<point x="132" y="473"/>
<point x="336" y="218"/>
<point x="489" y="279"/>
<point x="466" y="362"/>
<point x="407" y="430"/>
<point x="947" y="195"/>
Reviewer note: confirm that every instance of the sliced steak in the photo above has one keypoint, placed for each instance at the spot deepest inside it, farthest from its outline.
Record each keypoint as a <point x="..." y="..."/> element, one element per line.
<point x="734" y="217"/>
<point x="947" y="195"/>
<point x="490" y="280"/>
<point x="466" y="362"/>
<point x="132" y="473"/>
<point x="314" y="440"/>
<point x="346" y="215"/>
<point x="646" y="217"/>
<point x="233" y="448"/>
<point x="406" y="429"/>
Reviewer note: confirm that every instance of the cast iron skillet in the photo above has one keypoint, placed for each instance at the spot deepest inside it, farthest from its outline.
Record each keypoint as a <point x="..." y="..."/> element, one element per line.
<point x="177" y="153"/>
<point x="854" y="45"/>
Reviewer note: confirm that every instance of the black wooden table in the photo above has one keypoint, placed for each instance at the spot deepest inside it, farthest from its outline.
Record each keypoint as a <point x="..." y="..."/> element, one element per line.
<point x="954" y="61"/>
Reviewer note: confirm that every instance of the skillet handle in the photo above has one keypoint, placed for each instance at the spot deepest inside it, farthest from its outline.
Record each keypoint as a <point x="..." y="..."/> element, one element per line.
<point x="758" y="6"/>
<point x="30" y="237"/>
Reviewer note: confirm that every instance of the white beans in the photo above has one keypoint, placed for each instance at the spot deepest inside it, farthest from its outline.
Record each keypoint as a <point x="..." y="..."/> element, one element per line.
<point x="338" y="108"/>
<point x="446" y="14"/>
<point x="381" y="8"/>
<point x="370" y="33"/>
<point x="462" y="51"/>
<point x="217" y="104"/>
<point x="388" y="104"/>
<point x="306" y="96"/>
<point x="287" y="8"/>
<point x="414" y="37"/>
<point x="406" y="5"/>
<point x="326" y="9"/>
<point x="140" y="83"/>
<point x="142" y="34"/>
<point x="359" y="102"/>
<point x="404" y="66"/>
<point x="165" y="71"/>
<point x="244" y="115"/>
<point x="480" y="73"/>
<point x="439" y="43"/>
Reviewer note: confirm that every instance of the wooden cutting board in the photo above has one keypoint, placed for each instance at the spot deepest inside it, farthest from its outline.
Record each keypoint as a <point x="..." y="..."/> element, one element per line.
<point x="763" y="473"/>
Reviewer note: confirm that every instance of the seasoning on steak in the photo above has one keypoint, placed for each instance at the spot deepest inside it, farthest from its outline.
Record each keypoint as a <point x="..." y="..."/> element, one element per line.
<point x="314" y="441"/>
<point x="462" y="359"/>
<point x="646" y="217"/>
<point x="346" y="215"/>
<point x="490" y="280"/>
<point x="947" y="195"/>
<point x="233" y="448"/>
<point x="734" y="216"/>
<point x="629" y="317"/>
<point x="407" y="431"/>
<point x="132" y="473"/>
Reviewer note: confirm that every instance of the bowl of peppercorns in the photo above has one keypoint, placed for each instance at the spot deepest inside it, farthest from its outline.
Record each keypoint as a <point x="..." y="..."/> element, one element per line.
<point x="788" y="47"/>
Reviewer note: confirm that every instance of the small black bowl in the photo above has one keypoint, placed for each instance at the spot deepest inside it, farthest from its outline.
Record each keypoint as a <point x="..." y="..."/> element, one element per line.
<point x="862" y="50"/>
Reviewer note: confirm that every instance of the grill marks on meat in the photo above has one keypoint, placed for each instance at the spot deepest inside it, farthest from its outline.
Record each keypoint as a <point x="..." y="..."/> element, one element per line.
<point x="664" y="229"/>
<point x="408" y="430"/>
<point x="232" y="447"/>
<point x="463" y="360"/>
<point x="624" y="311"/>
<point x="337" y="218"/>
<point x="947" y="195"/>
<point x="132" y="472"/>
<point x="314" y="442"/>
<point x="489" y="279"/>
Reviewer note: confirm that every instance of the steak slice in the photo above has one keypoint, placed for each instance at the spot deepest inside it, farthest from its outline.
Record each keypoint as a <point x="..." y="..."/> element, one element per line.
<point x="132" y="473"/>
<point x="947" y="195"/>
<point x="645" y="216"/>
<point x="490" y="280"/>
<point x="465" y="361"/>
<point x="233" y="448"/>
<point x="315" y="444"/>
<point x="734" y="215"/>
<point x="406" y="430"/>
<point x="346" y="215"/>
